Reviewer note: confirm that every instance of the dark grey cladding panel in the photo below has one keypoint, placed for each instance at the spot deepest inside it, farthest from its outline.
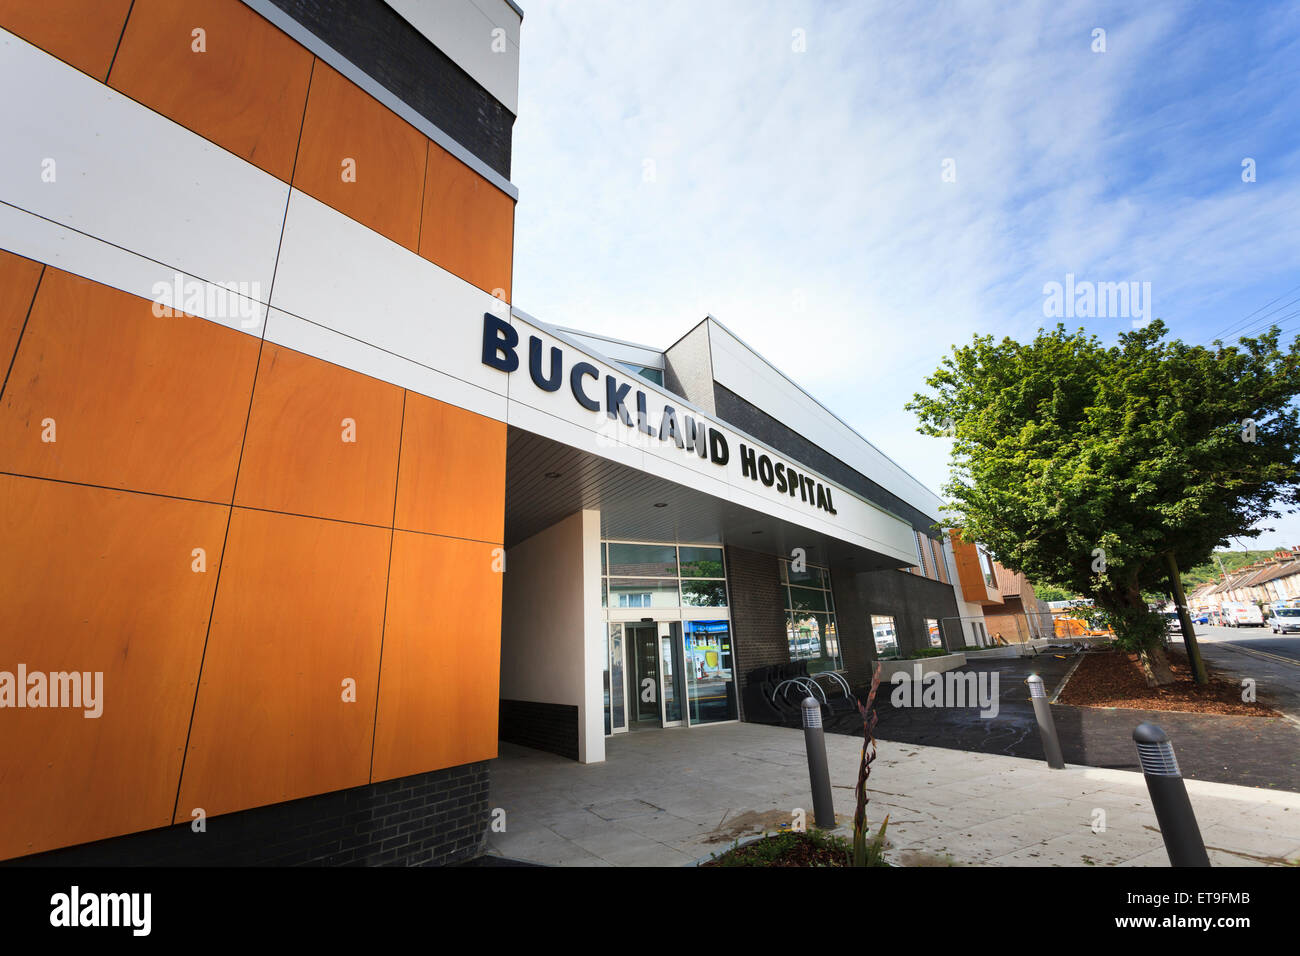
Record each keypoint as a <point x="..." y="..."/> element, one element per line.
<point x="375" y="38"/>
<point x="734" y="410"/>
<point x="908" y="598"/>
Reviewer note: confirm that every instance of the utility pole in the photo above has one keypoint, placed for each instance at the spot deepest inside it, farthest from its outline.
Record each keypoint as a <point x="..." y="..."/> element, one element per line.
<point x="1185" y="619"/>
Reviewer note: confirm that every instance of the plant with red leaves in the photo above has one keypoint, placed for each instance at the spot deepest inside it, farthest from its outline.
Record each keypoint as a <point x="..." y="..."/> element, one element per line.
<point x="864" y="853"/>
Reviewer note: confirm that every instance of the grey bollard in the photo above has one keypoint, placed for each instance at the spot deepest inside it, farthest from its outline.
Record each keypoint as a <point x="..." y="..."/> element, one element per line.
<point x="814" y="738"/>
<point x="1046" y="726"/>
<point x="1169" y="798"/>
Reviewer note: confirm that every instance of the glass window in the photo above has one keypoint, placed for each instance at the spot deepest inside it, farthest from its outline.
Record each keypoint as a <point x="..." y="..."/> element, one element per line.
<point x="805" y="636"/>
<point x="701" y="562"/>
<point x="626" y="592"/>
<point x="704" y="593"/>
<point x="710" y="676"/>
<point x="646" y="576"/>
<point x="882" y="627"/>
<point x="643" y="560"/>
<point x="806" y="599"/>
<point x="986" y="563"/>
<point x="811" y="634"/>
<point x="811" y="576"/>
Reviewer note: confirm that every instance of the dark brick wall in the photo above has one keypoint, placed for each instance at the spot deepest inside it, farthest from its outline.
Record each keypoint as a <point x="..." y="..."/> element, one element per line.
<point x="909" y="598"/>
<point x="375" y="38"/>
<point x="426" y="819"/>
<point x="549" y="727"/>
<point x="734" y="410"/>
<point x="757" y="611"/>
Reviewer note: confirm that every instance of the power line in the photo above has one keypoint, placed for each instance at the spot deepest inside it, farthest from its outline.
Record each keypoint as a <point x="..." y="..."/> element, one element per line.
<point x="1246" y="319"/>
<point x="1278" y="321"/>
<point x="1264" y="321"/>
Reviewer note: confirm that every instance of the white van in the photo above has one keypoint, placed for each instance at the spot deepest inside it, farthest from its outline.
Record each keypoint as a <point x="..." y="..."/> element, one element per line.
<point x="1242" y="615"/>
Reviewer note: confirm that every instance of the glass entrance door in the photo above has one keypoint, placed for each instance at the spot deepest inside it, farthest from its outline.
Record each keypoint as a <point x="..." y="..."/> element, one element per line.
<point x="670" y="663"/>
<point x="643" y="651"/>
<point x="615" y="693"/>
<point x="647" y="676"/>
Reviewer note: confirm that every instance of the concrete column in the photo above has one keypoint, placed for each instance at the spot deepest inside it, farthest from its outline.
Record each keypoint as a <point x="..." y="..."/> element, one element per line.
<point x="591" y="712"/>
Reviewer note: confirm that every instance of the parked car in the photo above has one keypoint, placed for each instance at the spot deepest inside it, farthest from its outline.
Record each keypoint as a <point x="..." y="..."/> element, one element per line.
<point x="1285" y="620"/>
<point x="1242" y="615"/>
<point x="1172" y="622"/>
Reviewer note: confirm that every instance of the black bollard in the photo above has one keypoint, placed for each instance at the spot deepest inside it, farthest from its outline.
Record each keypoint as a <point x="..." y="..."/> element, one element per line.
<point x="814" y="738"/>
<point x="1173" y="809"/>
<point x="1046" y="726"/>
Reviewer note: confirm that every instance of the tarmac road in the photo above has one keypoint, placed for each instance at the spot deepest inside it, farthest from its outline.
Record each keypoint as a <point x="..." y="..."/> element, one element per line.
<point x="1252" y="751"/>
<point x="1255" y="638"/>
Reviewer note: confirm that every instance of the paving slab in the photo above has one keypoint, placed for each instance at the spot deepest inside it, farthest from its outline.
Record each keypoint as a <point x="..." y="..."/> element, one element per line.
<point x="669" y="798"/>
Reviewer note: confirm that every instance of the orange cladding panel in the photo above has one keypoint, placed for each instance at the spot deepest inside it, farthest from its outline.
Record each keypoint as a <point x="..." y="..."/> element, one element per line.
<point x="439" y="690"/>
<point x="322" y="440"/>
<point x="131" y="400"/>
<point x="468" y="226"/>
<point x="93" y="580"/>
<point x="241" y="83"/>
<point x="361" y="158"/>
<point x="18" y="278"/>
<point x="83" y="33"/>
<point x="299" y="611"/>
<point x="969" y="572"/>
<point x="453" y="471"/>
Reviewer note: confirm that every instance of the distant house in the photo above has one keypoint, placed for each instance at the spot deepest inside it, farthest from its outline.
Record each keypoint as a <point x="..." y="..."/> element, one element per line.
<point x="1271" y="581"/>
<point x="1021" y="616"/>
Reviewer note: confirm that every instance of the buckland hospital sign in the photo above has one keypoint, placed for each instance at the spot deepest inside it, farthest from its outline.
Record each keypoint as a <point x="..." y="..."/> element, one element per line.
<point x="501" y="352"/>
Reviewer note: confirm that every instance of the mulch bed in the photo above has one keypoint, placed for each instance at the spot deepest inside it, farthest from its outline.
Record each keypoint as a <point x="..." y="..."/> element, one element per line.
<point x="1114" y="679"/>
<point x="789" y="849"/>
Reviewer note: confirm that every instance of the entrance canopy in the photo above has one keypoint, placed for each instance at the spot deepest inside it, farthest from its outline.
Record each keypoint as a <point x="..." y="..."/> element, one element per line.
<point x="547" y="480"/>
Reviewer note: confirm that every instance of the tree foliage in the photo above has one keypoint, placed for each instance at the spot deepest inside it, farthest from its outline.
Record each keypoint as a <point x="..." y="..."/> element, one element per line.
<point x="1084" y="466"/>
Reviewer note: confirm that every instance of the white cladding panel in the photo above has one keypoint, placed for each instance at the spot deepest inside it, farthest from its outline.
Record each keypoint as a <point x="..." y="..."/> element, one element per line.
<point x="84" y="156"/>
<point x="740" y="369"/>
<point x="466" y="30"/>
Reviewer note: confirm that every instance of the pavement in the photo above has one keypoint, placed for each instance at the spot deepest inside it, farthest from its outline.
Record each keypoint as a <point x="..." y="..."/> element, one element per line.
<point x="673" y="797"/>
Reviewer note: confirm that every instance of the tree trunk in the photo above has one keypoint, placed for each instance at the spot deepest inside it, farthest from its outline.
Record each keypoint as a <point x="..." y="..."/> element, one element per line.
<point x="1137" y="629"/>
<point x="1155" y="667"/>
<point x="1185" y="621"/>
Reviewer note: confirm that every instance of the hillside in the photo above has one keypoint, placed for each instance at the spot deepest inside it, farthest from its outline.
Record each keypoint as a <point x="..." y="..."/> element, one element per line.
<point x="1232" y="560"/>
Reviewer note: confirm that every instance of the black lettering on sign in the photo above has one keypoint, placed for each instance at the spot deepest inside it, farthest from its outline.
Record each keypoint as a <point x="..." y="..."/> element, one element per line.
<point x="501" y="351"/>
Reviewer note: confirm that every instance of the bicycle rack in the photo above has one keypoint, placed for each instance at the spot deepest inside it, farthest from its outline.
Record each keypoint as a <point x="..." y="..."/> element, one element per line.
<point x="802" y="683"/>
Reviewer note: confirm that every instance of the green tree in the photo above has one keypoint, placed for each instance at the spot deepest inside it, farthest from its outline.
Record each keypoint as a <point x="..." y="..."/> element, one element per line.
<point x="1103" y="470"/>
<point x="1049" y="592"/>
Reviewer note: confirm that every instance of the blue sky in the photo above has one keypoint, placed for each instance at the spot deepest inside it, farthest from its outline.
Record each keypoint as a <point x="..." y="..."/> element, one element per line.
<point x="678" y="159"/>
